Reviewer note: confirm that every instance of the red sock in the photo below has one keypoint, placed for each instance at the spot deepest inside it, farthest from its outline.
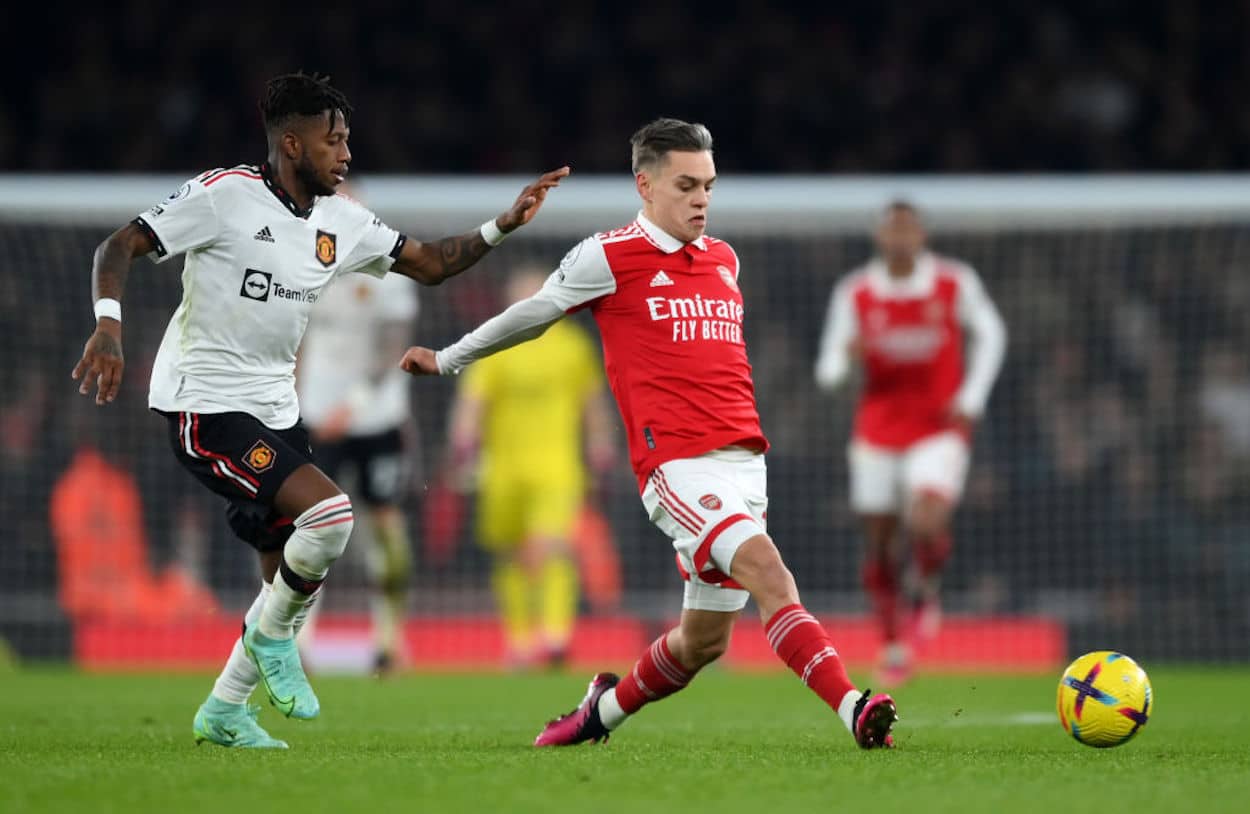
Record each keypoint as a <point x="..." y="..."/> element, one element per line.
<point x="805" y="647"/>
<point x="932" y="553"/>
<point x="656" y="675"/>
<point x="881" y="583"/>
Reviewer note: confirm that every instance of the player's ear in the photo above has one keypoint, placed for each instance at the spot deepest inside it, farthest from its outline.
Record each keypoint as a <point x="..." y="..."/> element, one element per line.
<point x="643" y="182"/>
<point x="292" y="147"/>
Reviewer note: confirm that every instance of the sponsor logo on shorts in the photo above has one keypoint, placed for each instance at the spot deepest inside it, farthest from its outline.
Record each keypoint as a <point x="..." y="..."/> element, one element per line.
<point x="260" y="457"/>
<point x="710" y="502"/>
<point x="326" y="248"/>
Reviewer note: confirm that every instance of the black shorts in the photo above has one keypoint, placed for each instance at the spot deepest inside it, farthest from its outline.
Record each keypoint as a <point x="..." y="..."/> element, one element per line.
<point x="245" y="462"/>
<point x="378" y="461"/>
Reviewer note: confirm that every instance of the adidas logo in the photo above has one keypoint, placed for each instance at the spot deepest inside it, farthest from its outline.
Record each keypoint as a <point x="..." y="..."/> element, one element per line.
<point x="265" y="235"/>
<point x="660" y="279"/>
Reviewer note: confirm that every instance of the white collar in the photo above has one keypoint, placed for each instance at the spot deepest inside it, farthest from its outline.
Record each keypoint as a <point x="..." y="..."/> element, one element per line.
<point x="918" y="283"/>
<point x="666" y="242"/>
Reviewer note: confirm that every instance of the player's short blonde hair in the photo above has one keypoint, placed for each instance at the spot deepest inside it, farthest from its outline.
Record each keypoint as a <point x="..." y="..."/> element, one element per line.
<point x="655" y="140"/>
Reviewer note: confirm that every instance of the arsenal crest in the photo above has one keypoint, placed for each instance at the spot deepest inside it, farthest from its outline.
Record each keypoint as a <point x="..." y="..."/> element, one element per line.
<point x="326" y="248"/>
<point x="728" y="277"/>
<point x="709" y="501"/>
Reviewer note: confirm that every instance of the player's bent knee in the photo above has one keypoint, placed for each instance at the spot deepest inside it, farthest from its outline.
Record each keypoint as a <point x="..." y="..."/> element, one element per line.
<point x="321" y="535"/>
<point x="758" y="567"/>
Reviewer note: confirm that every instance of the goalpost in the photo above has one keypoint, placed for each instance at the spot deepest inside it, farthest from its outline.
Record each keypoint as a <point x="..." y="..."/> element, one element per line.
<point x="1109" y="496"/>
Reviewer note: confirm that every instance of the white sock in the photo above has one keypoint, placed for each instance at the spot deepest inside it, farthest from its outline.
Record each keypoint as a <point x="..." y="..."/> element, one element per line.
<point x="846" y="709"/>
<point x="239" y="678"/>
<point x="277" y="618"/>
<point x="610" y="713"/>
<point x="321" y="534"/>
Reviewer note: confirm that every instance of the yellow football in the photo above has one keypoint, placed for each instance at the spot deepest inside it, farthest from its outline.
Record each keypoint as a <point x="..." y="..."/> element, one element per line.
<point x="1104" y="699"/>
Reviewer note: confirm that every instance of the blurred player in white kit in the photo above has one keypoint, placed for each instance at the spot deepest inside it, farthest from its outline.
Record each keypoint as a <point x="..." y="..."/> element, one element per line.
<point x="356" y="405"/>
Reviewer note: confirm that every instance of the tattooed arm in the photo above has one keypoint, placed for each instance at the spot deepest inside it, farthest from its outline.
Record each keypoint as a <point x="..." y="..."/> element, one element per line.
<point x="102" y="361"/>
<point x="431" y="263"/>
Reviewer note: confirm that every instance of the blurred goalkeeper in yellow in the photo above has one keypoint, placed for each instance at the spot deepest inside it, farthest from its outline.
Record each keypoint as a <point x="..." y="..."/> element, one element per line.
<point x="522" y="415"/>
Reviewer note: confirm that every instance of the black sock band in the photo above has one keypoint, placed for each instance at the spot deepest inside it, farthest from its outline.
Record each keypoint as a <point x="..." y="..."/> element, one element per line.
<point x="296" y="582"/>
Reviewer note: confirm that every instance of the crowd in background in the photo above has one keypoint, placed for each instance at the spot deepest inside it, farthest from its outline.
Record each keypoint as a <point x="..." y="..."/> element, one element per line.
<point x="1111" y="478"/>
<point x="925" y="86"/>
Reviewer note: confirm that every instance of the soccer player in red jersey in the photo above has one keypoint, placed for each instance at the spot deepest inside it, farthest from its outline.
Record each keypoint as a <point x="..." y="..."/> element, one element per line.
<point x="905" y="315"/>
<point x="670" y="313"/>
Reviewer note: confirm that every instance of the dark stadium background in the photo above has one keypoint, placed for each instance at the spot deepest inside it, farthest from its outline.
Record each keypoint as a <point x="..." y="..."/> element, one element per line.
<point x="1111" y="484"/>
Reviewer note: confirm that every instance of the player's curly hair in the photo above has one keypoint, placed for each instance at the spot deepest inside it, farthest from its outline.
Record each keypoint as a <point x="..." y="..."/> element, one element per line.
<point x="301" y="94"/>
<point x="654" y="140"/>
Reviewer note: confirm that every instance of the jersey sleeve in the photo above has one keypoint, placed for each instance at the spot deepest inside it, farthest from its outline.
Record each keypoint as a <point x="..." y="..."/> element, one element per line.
<point x="833" y="364"/>
<point x="987" y="345"/>
<point x="582" y="277"/>
<point x="184" y="221"/>
<point x="377" y="249"/>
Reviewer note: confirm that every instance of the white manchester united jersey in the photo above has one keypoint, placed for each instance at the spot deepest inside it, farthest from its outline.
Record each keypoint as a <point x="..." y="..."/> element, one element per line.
<point x="255" y="266"/>
<point x="340" y="362"/>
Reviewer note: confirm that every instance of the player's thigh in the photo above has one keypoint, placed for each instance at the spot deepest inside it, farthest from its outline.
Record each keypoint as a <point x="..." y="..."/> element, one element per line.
<point x="700" y="505"/>
<point x="235" y="455"/>
<point x="876" y="476"/>
<point x="936" y="467"/>
<point x="383" y="468"/>
<point x="500" y="513"/>
<point x="245" y="462"/>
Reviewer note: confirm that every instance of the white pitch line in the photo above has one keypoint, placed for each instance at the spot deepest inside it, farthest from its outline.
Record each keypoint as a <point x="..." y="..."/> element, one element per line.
<point x="1015" y="719"/>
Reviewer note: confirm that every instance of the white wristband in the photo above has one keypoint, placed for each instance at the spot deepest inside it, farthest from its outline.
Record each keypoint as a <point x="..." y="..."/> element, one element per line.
<point x="108" y="307"/>
<point x="491" y="233"/>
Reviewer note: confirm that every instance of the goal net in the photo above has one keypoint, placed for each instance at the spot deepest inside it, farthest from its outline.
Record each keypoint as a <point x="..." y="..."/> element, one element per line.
<point x="1108" y="504"/>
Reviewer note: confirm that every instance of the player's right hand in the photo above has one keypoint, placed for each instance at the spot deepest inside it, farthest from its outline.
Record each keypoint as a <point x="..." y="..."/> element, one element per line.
<point x="419" y="362"/>
<point x="102" y="363"/>
<point x="530" y="200"/>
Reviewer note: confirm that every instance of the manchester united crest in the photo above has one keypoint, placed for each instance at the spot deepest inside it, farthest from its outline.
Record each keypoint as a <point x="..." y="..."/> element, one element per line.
<point x="260" y="457"/>
<point x="728" y="277"/>
<point x="326" y="248"/>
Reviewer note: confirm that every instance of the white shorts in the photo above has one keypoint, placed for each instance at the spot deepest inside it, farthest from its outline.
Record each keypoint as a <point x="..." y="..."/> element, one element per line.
<point x="709" y="506"/>
<point x="884" y="481"/>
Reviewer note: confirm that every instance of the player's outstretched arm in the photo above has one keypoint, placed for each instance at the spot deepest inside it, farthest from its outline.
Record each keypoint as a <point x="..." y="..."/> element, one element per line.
<point x="419" y="362"/>
<point x="431" y="263"/>
<point x="521" y="322"/>
<point x="102" y="360"/>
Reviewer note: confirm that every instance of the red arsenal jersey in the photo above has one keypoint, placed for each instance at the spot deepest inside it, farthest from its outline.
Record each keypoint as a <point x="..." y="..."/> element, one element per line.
<point x="911" y="336"/>
<point x="670" y="315"/>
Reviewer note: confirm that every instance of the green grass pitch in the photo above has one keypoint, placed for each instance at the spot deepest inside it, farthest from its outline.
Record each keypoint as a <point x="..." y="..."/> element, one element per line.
<point x="730" y="743"/>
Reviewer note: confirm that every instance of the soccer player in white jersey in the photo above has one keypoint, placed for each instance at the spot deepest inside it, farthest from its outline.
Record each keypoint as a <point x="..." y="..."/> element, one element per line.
<point x="355" y="403"/>
<point x="905" y="315"/>
<point x="670" y="314"/>
<point x="261" y="242"/>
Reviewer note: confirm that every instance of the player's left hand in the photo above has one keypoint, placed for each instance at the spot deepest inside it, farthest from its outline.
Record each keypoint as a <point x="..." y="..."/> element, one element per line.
<point x="530" y="200"/>
<point x="419" y="362"/>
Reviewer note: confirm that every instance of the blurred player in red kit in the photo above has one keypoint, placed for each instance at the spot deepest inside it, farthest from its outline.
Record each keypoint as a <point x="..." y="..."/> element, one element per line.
<point x="670" y="314"/>
<point x="905" y="316"/>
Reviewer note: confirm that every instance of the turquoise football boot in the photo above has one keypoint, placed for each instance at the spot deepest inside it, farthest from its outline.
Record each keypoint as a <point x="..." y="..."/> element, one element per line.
<point x="281" y="674"/>
<point x="231" y="725"/>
